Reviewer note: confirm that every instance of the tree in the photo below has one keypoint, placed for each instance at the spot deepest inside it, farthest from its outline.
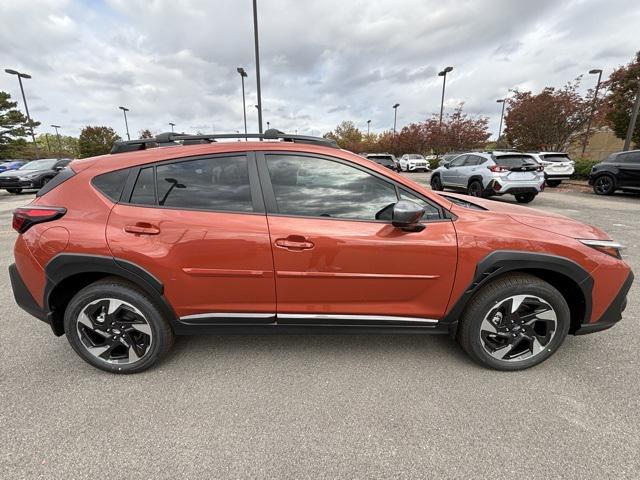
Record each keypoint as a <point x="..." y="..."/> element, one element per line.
<point x="13" y="127"/>
<point x="146" y="133"/>
<point x="548" y="120"/>
<point x="68" y="147"/>
<point x="347" y="136"/>
<point x="623" y="86"/>
<point x="96" y="141"/>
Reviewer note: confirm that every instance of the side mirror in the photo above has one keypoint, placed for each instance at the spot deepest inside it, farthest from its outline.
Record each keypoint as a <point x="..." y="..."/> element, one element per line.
<point x="58" y="168"/>
<point x="406" y="216"/>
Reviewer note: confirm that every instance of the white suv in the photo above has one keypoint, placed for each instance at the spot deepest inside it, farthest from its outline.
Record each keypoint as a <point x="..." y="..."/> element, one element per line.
<point x="410" y="162"/>
<point x="557" y="166"/>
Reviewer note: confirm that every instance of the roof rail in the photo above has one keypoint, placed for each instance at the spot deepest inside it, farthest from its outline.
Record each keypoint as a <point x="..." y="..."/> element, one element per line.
<point x="169" y="139"/>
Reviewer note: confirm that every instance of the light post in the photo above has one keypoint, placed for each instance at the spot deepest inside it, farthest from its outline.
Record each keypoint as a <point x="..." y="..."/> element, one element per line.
<point x="443" y="74"/>
<point x="125" y="110"/>
<point x="593" y="109"/>
<point x="632" y="123"/>
<point x="26" y="108"/>
<point x="503" y="101"/>
<point x="58" y="135"/>
<point x="172" y="125"/>
<point x="368" y="127"/>
<point x="268" y="125"/>
<point x="395" y="116"/>
<point x="243" y="74"/>
<point x="257" y="48"/>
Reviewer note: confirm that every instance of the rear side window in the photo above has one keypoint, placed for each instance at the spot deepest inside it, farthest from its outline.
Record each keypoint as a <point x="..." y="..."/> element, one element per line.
<point x="110" y="184"/>
<point x="220" y="183"/>
<point x="144" y="191"/>
<point x="60" y="178"/>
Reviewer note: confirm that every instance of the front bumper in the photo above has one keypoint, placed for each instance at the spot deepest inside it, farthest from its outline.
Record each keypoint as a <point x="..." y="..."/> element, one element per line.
<point x="612" y="315"/>
<point x="414" y="167"/>
<point x="17" y="183"/>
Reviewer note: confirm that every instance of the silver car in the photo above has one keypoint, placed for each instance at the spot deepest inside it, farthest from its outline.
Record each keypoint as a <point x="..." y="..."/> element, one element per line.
<point x="485" y="174"/>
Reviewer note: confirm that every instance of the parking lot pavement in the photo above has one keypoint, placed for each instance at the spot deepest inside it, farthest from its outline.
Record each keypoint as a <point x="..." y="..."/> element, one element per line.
<point x="326" y="406"/>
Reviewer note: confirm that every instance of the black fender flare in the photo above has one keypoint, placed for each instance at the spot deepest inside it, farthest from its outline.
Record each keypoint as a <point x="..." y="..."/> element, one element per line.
<point x="66" y="265"/>
<point x="473" y="178"/>
<point x="504" y="261"/>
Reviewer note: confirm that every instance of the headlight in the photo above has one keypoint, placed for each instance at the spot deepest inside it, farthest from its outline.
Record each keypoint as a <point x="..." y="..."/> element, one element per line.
<point x="605" y="246"/>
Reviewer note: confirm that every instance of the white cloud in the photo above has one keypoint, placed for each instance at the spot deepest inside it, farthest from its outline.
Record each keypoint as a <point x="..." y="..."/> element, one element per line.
<point x="322" y="62"/>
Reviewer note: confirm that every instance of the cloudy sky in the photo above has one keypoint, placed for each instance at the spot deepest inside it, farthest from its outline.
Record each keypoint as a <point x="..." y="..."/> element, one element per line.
<point x="322" y="61"/>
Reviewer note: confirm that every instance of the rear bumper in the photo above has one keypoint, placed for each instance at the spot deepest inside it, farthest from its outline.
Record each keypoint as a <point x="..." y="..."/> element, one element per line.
<point x="613" y="314"/>
<point x="557" y="176"/>
<point x="23" y="297"/>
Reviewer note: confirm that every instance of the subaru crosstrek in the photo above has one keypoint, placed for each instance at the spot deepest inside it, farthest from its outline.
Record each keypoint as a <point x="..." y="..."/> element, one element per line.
<point x="484" y="174"/>
<point x="188" y="235"/>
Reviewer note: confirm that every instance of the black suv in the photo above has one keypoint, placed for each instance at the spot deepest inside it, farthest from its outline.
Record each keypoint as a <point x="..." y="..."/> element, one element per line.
<point x="32" y="175"/>
<point x="620" y="171"/>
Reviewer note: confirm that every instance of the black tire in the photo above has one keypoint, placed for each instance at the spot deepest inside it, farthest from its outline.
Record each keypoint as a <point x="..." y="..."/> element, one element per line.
<point x="475" y="189"/>
<point x="604" y="184"/>
<point x="525" y="197"/>
<point x="484" y="303"/>
<point x="161" y="338"/>
<point x="44" y="181"/>
<point x="553" y="183"/>
<point x="436" y="183"/>
<point x="15" y="191"/>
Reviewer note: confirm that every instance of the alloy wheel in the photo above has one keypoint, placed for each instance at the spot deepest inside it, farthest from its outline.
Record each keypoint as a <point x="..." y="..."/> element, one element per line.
<point x="603" y="185"/>
<point x="114" y="331"/>
<point x="518" y="328"/>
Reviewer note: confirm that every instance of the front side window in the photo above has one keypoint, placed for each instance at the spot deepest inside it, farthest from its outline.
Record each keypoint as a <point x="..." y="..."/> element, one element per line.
<point x="458" y="161"/>
<point x="318" y="187"/>
<point x="632" y="158"/>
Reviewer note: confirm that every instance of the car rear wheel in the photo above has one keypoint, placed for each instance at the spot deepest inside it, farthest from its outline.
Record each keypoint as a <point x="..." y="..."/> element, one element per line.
<point x="604" y="185"/>
<point x="525" y="197"/>
<point x="116" y="327"/>
<point x="475" y="189"/>
<point x="513" y="323"/>
<point x="553" y="183"/>
<point x="436" y="183"/>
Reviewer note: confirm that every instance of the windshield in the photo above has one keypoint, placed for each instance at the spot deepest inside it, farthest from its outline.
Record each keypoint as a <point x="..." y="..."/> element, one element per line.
<point x="39" y="164"/>
<point x="556" y="157"/>
<point x="514" y="161"/>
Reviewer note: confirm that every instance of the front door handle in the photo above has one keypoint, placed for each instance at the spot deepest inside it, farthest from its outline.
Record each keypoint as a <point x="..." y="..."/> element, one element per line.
<point x="142" y="228"/>
<point x="294" y="242"/>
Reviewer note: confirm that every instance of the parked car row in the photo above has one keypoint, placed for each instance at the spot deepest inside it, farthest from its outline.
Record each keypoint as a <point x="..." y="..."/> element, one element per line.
<point x="31" y="175"/>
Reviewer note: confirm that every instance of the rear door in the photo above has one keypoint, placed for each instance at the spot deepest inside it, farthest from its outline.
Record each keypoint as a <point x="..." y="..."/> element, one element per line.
<point x="337" y="260"/>
<point x="198" y="224"/>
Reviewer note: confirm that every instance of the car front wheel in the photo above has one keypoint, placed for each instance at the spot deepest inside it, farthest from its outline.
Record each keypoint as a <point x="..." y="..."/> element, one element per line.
<point x="604" y="185"/>
<point x="116" y="327"/>
<point x="15" y="191"/>
<point x="514" y="322"/>
<point x="436" y="183"/>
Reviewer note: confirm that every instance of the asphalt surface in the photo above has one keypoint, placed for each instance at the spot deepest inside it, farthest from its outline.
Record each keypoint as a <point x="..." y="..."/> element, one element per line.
<point x="326" y="406"/>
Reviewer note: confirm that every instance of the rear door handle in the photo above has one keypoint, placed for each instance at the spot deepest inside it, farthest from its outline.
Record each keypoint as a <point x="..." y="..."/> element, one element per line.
<point x="294" y="242"/>
<point x="142" y="228"/>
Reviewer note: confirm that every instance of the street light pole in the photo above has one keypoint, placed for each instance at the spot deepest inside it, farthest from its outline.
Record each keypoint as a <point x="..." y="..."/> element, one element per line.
<point x="593" y="109"/>
<point x="502" y="101"/>
<point x="26" y="107"/>
<point x="395" y="116"/>
<point x="443" y="74"/>
<point x="172" y="125"/>
<point x="58" y="135"/>
<point x="368" y="127"/>
<point x="243" y="74"/>
<point x="125" y="110"/>
<point x="257" y="47"/>
<point x="634" y="118"/>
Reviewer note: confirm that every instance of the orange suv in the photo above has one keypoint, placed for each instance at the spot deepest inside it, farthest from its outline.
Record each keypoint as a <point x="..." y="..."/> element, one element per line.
<point x="188" y="235"/>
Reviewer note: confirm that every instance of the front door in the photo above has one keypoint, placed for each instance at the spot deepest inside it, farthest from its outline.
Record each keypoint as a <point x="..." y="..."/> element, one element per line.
<point x="336" y="260"/>
<point x="196" y="225"/>
<point x="452" y="175"/>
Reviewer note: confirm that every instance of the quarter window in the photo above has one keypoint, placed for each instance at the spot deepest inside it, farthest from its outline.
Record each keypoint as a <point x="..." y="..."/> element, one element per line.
<point x="319" y="187"/>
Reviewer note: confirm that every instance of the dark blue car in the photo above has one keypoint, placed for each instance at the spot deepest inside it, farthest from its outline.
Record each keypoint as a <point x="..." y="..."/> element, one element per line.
<point x="11" y="165"/>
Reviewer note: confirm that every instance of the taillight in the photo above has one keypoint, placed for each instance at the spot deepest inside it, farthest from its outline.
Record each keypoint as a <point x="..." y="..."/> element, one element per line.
<point x="26" y="217"/>
<point x="497" y="169"/>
